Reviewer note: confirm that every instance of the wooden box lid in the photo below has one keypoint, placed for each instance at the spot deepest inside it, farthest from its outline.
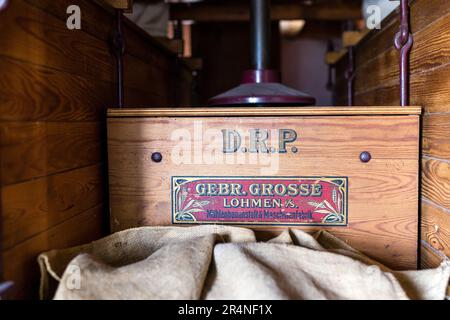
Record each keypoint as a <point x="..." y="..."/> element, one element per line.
<point x="263" y="111"/>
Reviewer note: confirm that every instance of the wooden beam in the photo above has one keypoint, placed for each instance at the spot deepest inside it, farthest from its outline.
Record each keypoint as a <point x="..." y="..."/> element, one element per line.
<point x="352" y="38"/>
<point x="333" y="57"/>
<point x="209" y="12"/>
<point x="126" y="5"/>
<point x="321" y="29"/>
<point x="173" y="45"/>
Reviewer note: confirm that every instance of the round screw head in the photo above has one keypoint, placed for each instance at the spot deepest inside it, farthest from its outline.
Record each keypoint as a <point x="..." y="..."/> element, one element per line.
<point x="156" y="157"/>
<point x="365" y="156"/>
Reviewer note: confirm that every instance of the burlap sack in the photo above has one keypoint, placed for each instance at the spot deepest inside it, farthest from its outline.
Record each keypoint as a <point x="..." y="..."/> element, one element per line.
<point x="220" y="262"/>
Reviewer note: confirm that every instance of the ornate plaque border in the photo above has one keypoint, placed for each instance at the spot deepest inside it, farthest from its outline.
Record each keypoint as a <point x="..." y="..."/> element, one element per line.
<point x="175" y="188"/>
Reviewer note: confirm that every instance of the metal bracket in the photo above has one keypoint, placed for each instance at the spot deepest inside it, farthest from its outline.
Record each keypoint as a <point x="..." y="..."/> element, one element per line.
<point x="178" y="34"/>
<point x="118" y="49"/>
<point x="403" y="42"/>
<point x="350" y="75"/>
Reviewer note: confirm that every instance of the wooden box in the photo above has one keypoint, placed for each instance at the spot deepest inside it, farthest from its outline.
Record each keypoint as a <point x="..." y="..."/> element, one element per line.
<point x="350" y="170"/>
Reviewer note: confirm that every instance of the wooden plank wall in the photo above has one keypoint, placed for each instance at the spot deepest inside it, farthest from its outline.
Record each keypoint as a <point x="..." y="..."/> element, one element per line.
<point x="55" y="86"/>
<point x="377" y="83"/>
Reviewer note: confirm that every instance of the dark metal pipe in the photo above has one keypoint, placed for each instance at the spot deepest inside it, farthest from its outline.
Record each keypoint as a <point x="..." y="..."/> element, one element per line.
<point x="350" y="75"/>
<point x="329" y="85"/>
<point x="4" y="286"/>
<point x="404" y="72"/>
<point x="331" y="71"/>
<point x="404" y="18"/>
<point x="178" y="34"/>
<point x="178" y="30"/>
<point x="118" y="46"/>
<point x="260" y="34"/>
<point x="121" y="51"/>
<point x="260" y="86"/>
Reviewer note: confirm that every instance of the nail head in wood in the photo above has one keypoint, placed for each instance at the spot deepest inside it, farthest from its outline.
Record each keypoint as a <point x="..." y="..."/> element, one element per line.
<point x="365" y="156"/>
<point x="156" y="157"/>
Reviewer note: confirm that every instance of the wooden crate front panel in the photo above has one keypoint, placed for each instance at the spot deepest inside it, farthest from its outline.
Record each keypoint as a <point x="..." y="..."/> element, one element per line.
<point x="382" y="194"/>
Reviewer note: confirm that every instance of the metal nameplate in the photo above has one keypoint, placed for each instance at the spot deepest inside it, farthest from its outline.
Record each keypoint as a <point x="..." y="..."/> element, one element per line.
<point x="260" y="200"/>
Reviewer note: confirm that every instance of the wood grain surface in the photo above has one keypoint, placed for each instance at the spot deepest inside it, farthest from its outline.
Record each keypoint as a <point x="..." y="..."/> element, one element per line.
<point x="436" y="226"/>
<point x="53" y="96"/>
<point x="436" y="135"/>
<point x="37" y="205"/>
<point x="21" y="266"/>
<point x="260" y="111"/>
<point x="436" y="181"/>
<point x="41" y="38"/>
<point x="37" y="149"/>
<point x="430" y="258"/>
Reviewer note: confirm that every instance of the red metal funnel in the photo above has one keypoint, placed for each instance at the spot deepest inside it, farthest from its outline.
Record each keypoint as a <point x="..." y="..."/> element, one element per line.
<point x="261" y="85"/>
